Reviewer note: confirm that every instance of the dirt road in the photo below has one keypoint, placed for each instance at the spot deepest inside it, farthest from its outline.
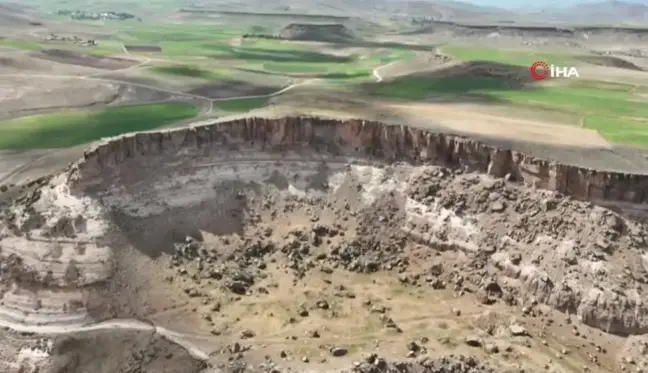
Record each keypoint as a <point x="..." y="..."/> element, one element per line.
<point x="129" y="324"/>
<point x="376" y="71"/>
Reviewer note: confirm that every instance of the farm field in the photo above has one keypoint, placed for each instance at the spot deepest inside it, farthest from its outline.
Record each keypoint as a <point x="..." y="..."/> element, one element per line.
<point x="241" y="105"/>
<point x="617" y="110"/>
<point x="76" y="128"/>
<point x="230" y="67"/>
<point x="510" y="56"/>
<point x="216" y="53"/>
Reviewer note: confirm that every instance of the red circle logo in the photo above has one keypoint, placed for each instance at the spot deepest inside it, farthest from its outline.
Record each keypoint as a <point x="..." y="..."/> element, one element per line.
<point x="539" y="70"/>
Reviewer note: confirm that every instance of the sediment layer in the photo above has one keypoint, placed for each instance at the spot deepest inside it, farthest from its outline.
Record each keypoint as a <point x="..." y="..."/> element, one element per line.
<point x="89" y="244"/>
<point x="365" y="140"/>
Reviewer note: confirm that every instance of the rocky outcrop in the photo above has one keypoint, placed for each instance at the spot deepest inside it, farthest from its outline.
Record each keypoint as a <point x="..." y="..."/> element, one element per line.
<point x="129" y="197"/>
<point x="156" y="221"/>
<point x="369" y="141"/>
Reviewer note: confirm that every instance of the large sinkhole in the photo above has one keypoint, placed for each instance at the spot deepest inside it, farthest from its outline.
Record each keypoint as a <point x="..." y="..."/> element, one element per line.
<point x="272" y="219"/>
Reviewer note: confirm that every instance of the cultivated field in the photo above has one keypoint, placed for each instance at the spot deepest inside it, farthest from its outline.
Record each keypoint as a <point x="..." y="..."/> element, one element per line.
<point x="237" y="63"/>
<point x="227" y="64"/>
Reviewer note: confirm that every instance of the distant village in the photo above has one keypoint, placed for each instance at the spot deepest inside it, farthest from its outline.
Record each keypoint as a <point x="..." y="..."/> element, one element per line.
<point x="72" y="39"/>
<point x="95" y="16"/>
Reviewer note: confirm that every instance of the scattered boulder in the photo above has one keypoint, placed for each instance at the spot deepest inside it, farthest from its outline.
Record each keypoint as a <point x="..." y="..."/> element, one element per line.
<point x="338" y="351"/>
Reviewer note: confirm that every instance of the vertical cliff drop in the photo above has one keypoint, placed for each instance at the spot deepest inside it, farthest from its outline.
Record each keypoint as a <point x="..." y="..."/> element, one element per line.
<point x="259" y="232"/>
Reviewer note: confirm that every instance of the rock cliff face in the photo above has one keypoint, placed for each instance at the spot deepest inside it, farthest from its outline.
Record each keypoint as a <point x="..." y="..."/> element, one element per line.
<point x="365" y="140"/>
<point x="84" y="245"/>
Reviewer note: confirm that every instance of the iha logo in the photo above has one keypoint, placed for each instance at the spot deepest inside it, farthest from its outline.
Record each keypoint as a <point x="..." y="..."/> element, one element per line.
<point x="540" y="70"/>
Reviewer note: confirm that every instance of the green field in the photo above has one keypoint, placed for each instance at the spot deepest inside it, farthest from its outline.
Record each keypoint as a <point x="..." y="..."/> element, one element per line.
<point x="69" y="129"/>
<point x="616" y="110"/>
<point x="269" y="54"/>
<point x="104" y="48"/>
<point x="613" y="109"/>
<point x="241" y="105"/>
<point x="188" y="71"/>
<point x="178" y="32"/>
<point x="416" y="88"/>
<point x="216" y="52"/>
<point x="212" y="44"/>
<point x="613" y="112"/>
<point x="511" y="57"/>
<point x="24" y="45"/>
<point x="353" y="66"/>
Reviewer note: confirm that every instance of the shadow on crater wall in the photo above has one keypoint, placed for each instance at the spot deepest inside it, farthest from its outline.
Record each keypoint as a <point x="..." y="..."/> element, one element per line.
<point x="154" y="235"/>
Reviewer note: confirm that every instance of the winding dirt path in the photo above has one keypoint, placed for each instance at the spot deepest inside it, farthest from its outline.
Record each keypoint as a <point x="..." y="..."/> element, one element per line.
<point x="127" y="324"/>
<point x="376" y="71"/>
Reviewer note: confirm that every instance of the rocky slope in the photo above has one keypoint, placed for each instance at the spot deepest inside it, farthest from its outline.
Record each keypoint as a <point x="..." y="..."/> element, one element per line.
<point x="112" y="236"/>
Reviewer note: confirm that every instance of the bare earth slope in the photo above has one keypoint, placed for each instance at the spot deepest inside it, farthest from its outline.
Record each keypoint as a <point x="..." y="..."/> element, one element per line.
<point x="245" y="236"/>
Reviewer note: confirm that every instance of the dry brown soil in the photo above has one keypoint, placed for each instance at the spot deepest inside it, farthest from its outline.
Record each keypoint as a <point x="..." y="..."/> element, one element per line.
<point x="74" y="58"/>
<point x="467" y="119"/>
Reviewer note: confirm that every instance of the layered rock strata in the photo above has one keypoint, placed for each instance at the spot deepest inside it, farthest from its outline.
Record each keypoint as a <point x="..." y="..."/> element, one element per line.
<point x="363" y="140"/>
<point x="63" y="243"/>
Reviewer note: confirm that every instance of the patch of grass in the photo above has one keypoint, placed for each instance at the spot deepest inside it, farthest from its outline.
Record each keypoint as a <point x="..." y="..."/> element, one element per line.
<point x="612" y="112"/>
<point x="511" y="57"/>
<point x="388" y="45"/>
<point x="610" y="108"/>
<point x="69" y="129"/>
<point x="322" y="70"/>
<point x="180" y="32"/>
<point x="357" y="69"/>
<point x="583" y="101"/>
<point x="621" y="131"/>
<point x="241" y="105"/>
<point x="273" y="55"/>
<point x="105" y="47"/>
<point x="420" y="88"/>
<point x="188" y="71"/>
<point x="598" y="85"/>
<point x="358" y="75"/>
<point x="607" y="107"/>
<point x="295" y="67"/>
<point x="24" y="45"/>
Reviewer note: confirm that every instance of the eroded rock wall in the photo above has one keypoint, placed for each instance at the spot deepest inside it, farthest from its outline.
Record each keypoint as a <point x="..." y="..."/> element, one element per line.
<point x="363" y="140"/>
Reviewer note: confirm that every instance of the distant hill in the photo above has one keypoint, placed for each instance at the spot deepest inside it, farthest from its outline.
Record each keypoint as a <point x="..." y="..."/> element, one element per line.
<point x="12" y="15"/>
<point x="414" y="12"/>
<point x="419" y="12"/>
<point x="327" y="7"/>
<point x="604" y="12"/>
<point x="443" y="10"/>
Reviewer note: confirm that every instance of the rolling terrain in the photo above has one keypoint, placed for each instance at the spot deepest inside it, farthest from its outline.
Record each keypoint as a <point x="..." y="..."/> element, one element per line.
<point x="367" y="186"/>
